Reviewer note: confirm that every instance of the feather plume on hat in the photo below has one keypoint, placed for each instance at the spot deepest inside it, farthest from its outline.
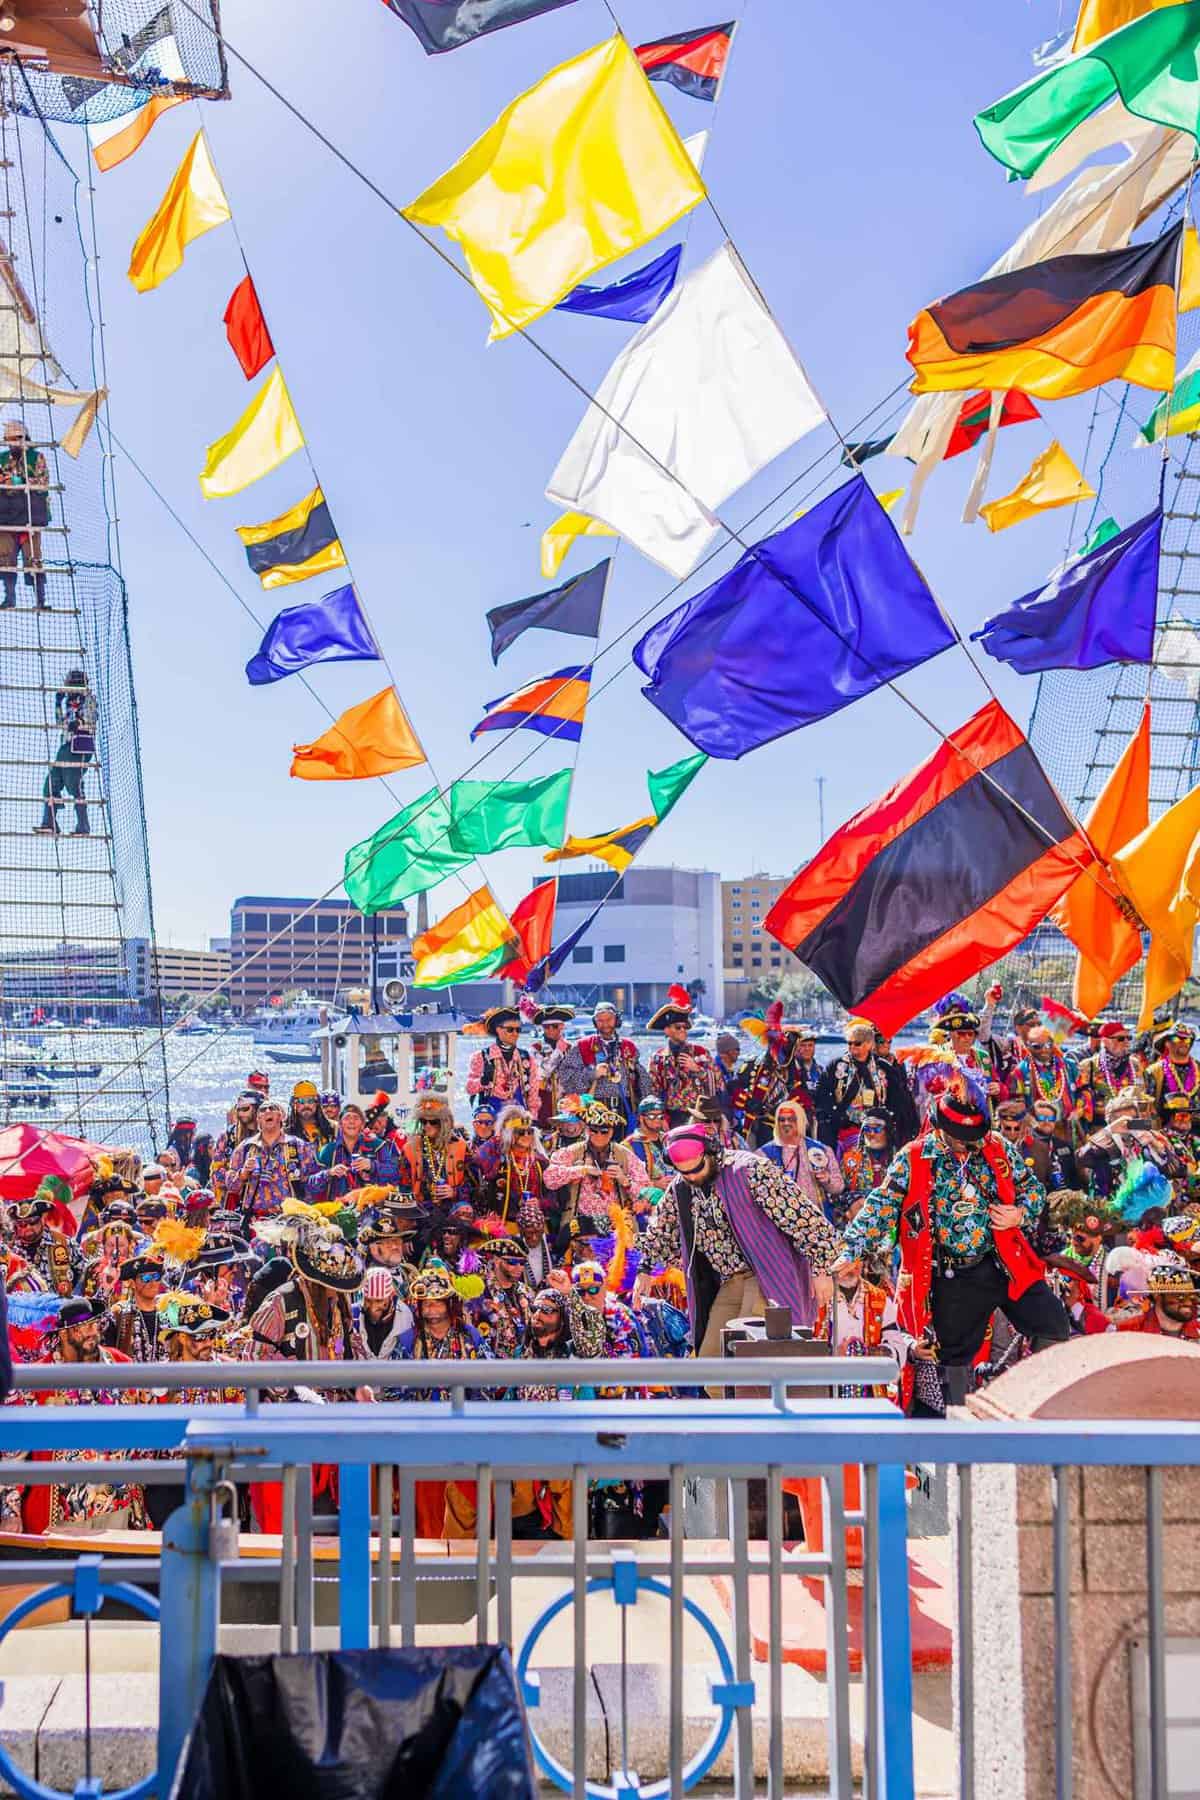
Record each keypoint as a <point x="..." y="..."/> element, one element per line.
<point x="178" y="1241"/>
<point x="1143" y="1186"/>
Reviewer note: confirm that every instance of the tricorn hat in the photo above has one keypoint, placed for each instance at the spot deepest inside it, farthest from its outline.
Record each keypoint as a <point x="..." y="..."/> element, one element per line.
<point x="675" y="1010"/>
<point x="496" y="1016"/>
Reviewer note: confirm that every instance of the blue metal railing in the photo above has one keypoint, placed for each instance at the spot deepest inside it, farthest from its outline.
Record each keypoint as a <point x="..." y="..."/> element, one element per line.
<point x="381" y="1450"/>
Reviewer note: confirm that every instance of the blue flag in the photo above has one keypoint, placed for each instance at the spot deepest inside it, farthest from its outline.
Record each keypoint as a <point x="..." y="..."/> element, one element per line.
<point x="575" y="608"/>
<point x="328" y="630"/>
<point x="548" y="967"/>
<point x="1098" y="609"/>
<point x="808" y="620"/>
<point x="635" y="297"/>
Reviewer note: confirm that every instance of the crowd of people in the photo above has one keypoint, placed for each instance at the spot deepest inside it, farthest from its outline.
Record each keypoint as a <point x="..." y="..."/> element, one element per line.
<point x="954" y="1205"/>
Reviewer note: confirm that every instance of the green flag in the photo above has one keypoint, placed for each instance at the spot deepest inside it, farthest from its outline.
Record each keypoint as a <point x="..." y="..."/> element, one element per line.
<point x="494" y="815"/>
<point x="1104" y="533"/>
<point x="411" y="852"/>
<point x="1153" y="64"/>
<point x="1178" y="411"/>
<point x="667" y="785"/>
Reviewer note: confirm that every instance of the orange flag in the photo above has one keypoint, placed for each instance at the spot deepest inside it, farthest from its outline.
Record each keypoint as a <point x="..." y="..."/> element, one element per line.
<point x="1108" y="944"/>
<point x="372" y="738"/>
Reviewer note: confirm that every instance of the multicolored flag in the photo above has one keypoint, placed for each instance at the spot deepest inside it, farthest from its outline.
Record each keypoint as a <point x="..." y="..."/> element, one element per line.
<point x="193" y="204"/>
<point x="1095" y="20"/>
<point x="1179" y="411"/>
<point x="558" y="538"/>
<point x="619" y="847"/>
<point x="807" y="620"/>
<point x="1064" y="327"/>
<point x="246" y="329"/>
<point x="1052" y="480"/>
<point x="372" y="738"/>
<point x="267" y="433"/>
<point x="937" y="879"/>
<point x="634" y="298"/>
<point x="440" y="25"/>
<point x="692" y="61"/>
<point x="1099" y="609"/>
<point x="1159" y="871"/>
<point x="552" y="704"/>
<point x="577" y="171"/>
<point x="112" y="141"/>
<point x="973" y="420"/>
<point x="301" y="542"/>
<point x="468" y="944"/>
<point x="1152" y="64"/>
<point x="331" y="629"/>
<point x="574" y="608"/>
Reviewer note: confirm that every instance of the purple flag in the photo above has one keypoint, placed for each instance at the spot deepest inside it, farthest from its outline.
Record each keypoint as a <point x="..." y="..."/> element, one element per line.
<point x="331" y="629"/>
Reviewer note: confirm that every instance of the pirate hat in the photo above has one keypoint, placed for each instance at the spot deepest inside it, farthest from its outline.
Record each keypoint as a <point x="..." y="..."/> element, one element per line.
<point x="494" y="1237"/>
<point x="1169" y="1274"/>
<point x="960" y="1119"/>
<point x="189" y="1315"/>
<point x="675" y="1010"/>
<point x="553" y="1015"/>
<point x="144" y="1267"/>
<point x="496" y="1016"/>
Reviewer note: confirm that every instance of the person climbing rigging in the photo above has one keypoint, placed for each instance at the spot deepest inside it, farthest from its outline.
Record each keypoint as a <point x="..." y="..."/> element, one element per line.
<point x="75" y="716"/>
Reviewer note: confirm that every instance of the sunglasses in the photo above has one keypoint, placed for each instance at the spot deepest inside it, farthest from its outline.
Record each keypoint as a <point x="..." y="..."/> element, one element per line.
<point x="590" y="1286"/>
<point x="522" y="1131"/>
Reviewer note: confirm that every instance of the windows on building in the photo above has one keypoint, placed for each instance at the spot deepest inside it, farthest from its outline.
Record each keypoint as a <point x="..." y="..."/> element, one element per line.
<point x="614" y="953"/>
<point x="582" y="953"/>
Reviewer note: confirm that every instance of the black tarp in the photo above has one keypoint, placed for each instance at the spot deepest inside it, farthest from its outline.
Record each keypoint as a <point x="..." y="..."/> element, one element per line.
<point x="436" y="1724"/>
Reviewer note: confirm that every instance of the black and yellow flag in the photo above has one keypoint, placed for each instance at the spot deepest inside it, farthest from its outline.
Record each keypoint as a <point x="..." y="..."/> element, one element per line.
<point x="299" y="543"/>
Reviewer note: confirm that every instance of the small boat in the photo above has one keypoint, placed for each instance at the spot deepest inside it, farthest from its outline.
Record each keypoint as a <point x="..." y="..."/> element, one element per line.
<point x="22" y="1091"/>
<point x="194" y="1027"/>
<point x="293" y="1055"/>
<point x="290" y="1024"/>
<point x="57" y="1070"/>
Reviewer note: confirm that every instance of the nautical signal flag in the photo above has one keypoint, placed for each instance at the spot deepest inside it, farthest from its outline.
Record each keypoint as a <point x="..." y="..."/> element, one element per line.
<point x="552" y="704"/>
<point x="807" y="620"/>
<point x="246" y="329"/>
<point x="413" y="851"/>
<point x="486" y="816"/>
<point x="575" y="608"/>
<point x="937" y="879"/>
<point x="618" y="848"/>
<point x="1060" y="328"/>
<point x="692" y="61"/>
<point x="1159" y="871"/>
<point x="1151" y="64"/>
<point x="558" y="538"/>
<point x="440" y="25"/>
<point x="113" y="140"/>
<point x="193" y="204"/>
<point x="1096" y="19"/>
<point x="299" y="543"/>
<point x="578" y="170"/>
<point x="372" y="738"/>
<point x="331" y="629"/>
<point x="1099" y="609"/>
<point x="1179" y="411"/>
<point x="533" y="922"/>
<point x="267" y="433"/>
<point x="468" y="944"/>
<point x="1052" y="480"/>
<point x="1107" y="939"/>
<point x="634" y="298"/>
<point x="972" y="422"/>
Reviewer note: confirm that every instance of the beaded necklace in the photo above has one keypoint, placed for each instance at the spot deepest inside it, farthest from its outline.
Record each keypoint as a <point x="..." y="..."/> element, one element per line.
<point x="1171" y="1080"/>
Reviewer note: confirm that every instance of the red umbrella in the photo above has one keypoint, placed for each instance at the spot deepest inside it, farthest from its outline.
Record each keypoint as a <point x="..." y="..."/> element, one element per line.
<point x="26" y="1154"/>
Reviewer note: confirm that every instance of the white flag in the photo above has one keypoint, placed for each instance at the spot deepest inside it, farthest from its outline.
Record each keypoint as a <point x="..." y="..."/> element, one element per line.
<point x="710" y="390"/>
<point x="1177" y="655"/>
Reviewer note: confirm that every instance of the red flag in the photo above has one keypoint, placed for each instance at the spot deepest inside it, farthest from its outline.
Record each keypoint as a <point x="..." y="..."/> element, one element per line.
<point x="247" y="331"/>
<point x="533" y="921"/>
<point x="975" y="413"/>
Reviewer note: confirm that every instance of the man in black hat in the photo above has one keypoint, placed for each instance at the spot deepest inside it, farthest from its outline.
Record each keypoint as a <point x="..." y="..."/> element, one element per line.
<point x="387" y="1235"/>
<point x="605" y="1066"/>
<point x="550" y="1049"/>
<point x="1176" y="1070"/>
<point x="504" y="1072"/>
<point x="56" y="1257"/>
<point x="131" y="1327"/>
<point x="682" y="1075"/>
<point x="960" y="1201"/>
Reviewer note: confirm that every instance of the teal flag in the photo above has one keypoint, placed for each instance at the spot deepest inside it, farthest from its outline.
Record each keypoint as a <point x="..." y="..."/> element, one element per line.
<point x="413" y="851"/>
<point x="495" y="815"/>
<point x="667" y="785"/>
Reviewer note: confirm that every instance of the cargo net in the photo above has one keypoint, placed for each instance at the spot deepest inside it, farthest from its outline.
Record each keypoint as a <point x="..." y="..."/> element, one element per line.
<point x="149" y="48"/>
<point x="1083" y="721"/>
<point x="81" y="1048"/>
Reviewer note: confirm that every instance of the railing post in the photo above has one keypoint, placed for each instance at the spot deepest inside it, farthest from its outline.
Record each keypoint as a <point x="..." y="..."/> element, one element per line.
<point x="190" y="1602"/>
<point x="354" y="1555"/>
<point x="894" y="1721"/>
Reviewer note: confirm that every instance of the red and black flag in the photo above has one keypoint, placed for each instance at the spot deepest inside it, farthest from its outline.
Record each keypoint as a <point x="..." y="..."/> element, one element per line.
<point x="692" y="61"/>
<point x="937" y="879"/>
<point x="1056" y="328"/>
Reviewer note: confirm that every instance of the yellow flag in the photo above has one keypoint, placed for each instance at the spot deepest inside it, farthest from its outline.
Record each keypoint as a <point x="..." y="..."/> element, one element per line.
<point x="558" y="538"/>
<point x="1098" y="17"/>
<point x="266" y="435"/>
<point x="372" y="738"/>
<point x="115" y="140"/>
<point x="1189" y="274"/>
<point x="888" y="500"/>
<point x="192" y="205"/>
<point x="575" y="172"/>
<point x="616" y="848"/>
<point x="1053" y="480"/>
<point x="1160" y="872"/>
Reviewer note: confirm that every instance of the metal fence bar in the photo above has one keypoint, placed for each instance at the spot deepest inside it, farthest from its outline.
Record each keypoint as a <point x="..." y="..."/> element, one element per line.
<point x="354" y="1556"/>
<point x="837" y="1630"/>
<point x="675" y="1726"/>
<point x="383" y="1571"/>
<point x="408" y="1560"/>
<point x="304" y="1558"/>
<point x="483" y="1538"/>
<point x="743" y="1749"/>
<point x="287" y="1564"/>
<point x="504" y="1562"/>
<point x="895" y="1640"/>
<point x="870" y="1639"/>
<point x="775" y="1630"/>
<point x="1064" y="1748"/>
<point x="579" y="1687"/>
<point x="964" y="1552"/>
<point x="1156" y="1634"/>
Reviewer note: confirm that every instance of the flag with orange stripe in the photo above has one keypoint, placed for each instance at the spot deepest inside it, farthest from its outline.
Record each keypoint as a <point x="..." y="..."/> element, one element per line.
<point x="114" y="140"/>
<point x="937" y="879"/>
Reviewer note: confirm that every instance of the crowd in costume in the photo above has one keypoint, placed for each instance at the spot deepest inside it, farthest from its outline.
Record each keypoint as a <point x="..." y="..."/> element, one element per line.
<point x="953" y="1205"/>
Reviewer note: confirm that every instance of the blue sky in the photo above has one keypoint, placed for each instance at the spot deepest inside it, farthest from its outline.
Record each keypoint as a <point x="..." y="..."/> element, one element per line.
<point x="843" y="162"/>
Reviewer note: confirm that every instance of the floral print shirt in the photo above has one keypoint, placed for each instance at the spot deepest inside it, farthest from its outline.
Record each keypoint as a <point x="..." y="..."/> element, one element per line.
<point x="960" y="1197"/>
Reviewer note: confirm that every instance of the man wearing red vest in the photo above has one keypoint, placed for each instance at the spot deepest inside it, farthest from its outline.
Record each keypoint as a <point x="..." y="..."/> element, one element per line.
<point x="960" y="1200"/>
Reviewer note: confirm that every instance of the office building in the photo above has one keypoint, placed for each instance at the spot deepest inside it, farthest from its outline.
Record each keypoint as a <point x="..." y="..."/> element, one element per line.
<point x="659" y="926"/>
<point x="751" y="953"/>
<point x="320" y="947"/>
<point x="162" y="969"/>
